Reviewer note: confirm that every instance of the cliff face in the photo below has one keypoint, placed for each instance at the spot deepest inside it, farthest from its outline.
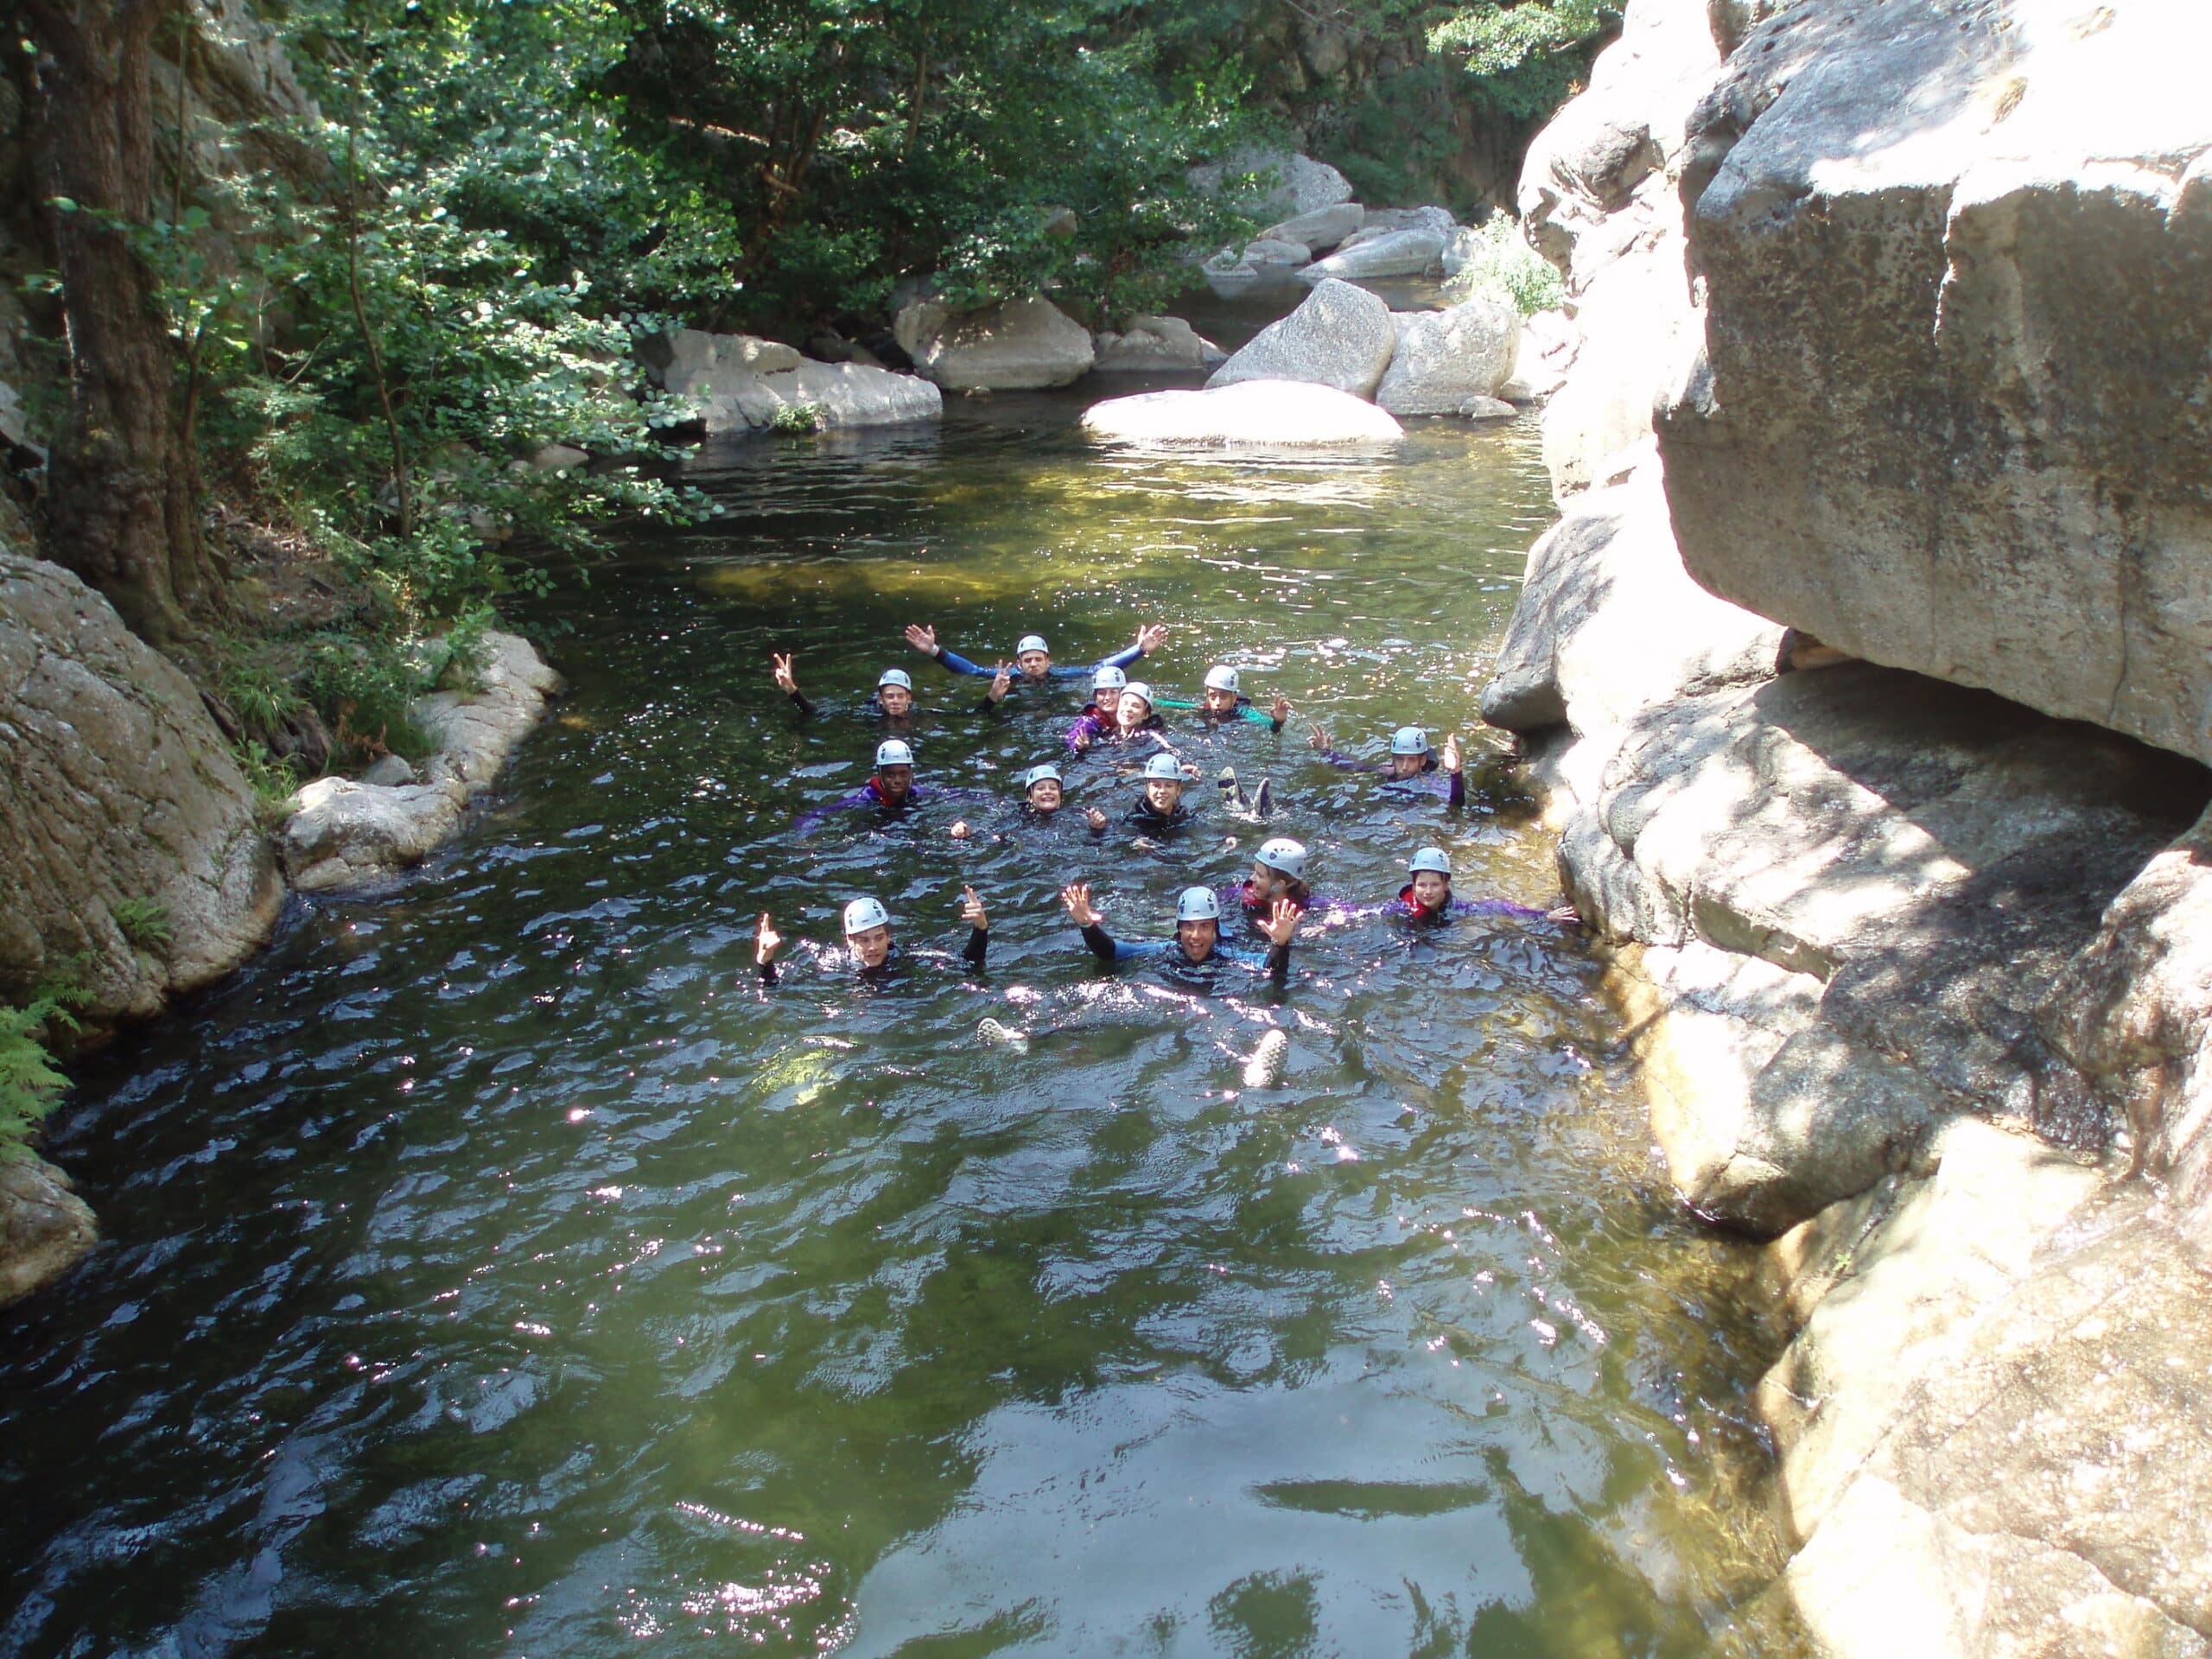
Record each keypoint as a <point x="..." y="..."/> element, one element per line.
<point x="1955" y="399"/>
<point x="1890" y="396"/>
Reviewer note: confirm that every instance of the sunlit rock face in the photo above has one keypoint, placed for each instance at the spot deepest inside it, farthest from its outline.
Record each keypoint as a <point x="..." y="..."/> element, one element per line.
<point x="1956" y="403"/>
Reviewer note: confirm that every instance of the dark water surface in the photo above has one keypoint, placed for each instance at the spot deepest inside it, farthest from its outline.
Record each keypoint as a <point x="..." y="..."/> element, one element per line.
<point x="493" y="1269"/>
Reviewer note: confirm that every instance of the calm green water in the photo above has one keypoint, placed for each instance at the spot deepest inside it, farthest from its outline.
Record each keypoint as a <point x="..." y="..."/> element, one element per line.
<point x="493" y="1269"/>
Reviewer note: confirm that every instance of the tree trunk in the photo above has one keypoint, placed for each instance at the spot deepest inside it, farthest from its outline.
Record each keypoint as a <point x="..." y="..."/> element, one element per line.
<point x="119" y="500"/>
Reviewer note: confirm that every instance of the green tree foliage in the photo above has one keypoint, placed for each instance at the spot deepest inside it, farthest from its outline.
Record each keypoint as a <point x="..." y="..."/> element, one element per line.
<point x="29" y="1084"/>
<point x="1525" y="56"/>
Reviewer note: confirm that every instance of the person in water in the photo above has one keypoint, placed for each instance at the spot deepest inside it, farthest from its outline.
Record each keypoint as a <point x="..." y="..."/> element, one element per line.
<point x="890" y="791"/>
<point x="1044" y="793"/>
<point x="1407" y="765"/>
<point x="867" y="935"/>
<point x="1425" y="901"/>
<point x="1132" y="719"/>
<point x="1196" y="943"/>
<point x="1160" y="809"/>
<point x="1223" y="701"/>
<point x="1033" y="658"/>
<point x="894" y="700"/>
<point x="1278" y="877"/>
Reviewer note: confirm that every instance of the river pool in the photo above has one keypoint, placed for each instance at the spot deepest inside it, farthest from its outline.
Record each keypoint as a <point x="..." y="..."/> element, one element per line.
<point x="493" y="1268"/>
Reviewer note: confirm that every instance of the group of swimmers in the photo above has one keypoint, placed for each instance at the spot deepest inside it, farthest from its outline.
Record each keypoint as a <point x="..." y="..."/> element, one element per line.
<point x="1125" y="714"/>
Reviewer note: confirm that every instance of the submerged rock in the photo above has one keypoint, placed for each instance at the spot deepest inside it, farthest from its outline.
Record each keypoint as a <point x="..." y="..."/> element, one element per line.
<point x="1341" y="336"/>
<point x="1271" y="414"/>
<point x="345" y="833"/>
<point x="132" y="860"/>
<point x="1321" y="229"/>
<point x="1442" y="358"/>
<point x="45" y="1228"/>
<point x="1016" y="345"/>
<point x="742" y="382"/>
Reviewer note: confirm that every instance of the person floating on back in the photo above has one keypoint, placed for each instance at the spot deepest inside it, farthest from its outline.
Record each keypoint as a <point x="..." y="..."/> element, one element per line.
<point x="872" y="953"/>
<point x="1197" y="944"/>
<point x="1408" y="764"/>
<point x="1033" y="658"/>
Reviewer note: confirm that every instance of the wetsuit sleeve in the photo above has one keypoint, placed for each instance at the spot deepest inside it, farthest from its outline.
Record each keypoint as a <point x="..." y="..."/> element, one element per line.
<point x="1102" y="946"/>
<point x="768" y="971"/>
<point x="1344" y="762"/>
<point x="1497" y="907"/>
<point x="1085" y="727"/>
<point x="953" y="663"/>
<point x="1456" y="795"/>
<point x="1171" y="703"/>
<point x="814" y="819"/>
<point x="805" y="708"/>
<point x="1279" y="962"/>
<point x="1121" y="659"/>
<point x="979" y="943"/>
<point x="1257" y="716"/>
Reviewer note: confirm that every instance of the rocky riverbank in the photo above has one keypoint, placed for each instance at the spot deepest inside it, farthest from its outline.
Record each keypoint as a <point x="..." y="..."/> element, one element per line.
<point x="1893" y="357"/>
<point x="138" y="864"/>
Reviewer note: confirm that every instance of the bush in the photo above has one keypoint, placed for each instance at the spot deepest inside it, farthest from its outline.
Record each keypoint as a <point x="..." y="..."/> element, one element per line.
<point x="145" y="922"/>
<point x="1508" y="265"/>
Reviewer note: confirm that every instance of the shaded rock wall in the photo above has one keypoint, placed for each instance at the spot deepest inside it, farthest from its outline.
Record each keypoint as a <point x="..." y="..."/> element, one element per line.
<point x="119" y="800"/>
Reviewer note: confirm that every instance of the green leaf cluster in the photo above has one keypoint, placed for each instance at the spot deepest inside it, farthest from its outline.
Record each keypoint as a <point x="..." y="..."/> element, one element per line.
<point x="30" y="1086"/>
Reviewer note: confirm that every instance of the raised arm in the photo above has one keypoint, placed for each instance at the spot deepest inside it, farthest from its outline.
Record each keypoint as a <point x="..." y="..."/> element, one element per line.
<point x="1076" y="898"/>
<point x="766" y="942"/>
<point x="924" y="640"/>
<point x="779" y="665"/>
<point x="1148" y="639"/>
<point x="979" y="926"/>
<point x="1317" y="738"/>
<point x="1455" y="790"/>
<point x="1280" y="928"/>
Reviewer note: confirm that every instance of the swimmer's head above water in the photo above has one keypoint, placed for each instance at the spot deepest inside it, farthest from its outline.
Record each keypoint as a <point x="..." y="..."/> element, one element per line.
<point x="1135" y="706"/>
<point x="1163" y="785"/>
<point x="1429" y="888"/>
<point x="1042" y="788"/>
<point x="868" y="930"/>
<point x="895" y="692"/>
<point x="1409" y="751"/>
<point x="894" y="771"/>
<point x="1197" y="923"/>
<point x="1222" y="689"/>
<point x="1033" y="657"/>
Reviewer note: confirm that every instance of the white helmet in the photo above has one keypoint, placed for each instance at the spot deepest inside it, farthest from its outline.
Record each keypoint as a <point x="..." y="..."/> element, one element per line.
<point x="1285" y="854"/>
<point x="1222" y="677"/>
<point x="1047" y="773"/>
<point x="1163" y="766"/>
<point x="1430" y="858"/>
<point x="897" y="677"/>
<point x="893" y="753"/>
<point x="1198" y="905"/>
<point x="1410" y="739"/>
<point x="1031" y="642"/>
<point x="864" y="914"/>
<point x="1138" y="688"/>
<point x="1108" y="679"/>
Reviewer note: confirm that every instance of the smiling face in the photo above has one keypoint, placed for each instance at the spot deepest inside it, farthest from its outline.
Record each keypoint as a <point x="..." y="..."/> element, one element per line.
<point x="1406" y="765"/>
<point x="1197" y="938"/>
<point x="1268" y="882"/>
<point x="895" y="783"/>
<point x="1432" y="890"/>
<point x="1034" y="665"/>
<point x="1219" y="701"/>
<point x="1132" y="712"/>
<point x="896" y="699"/>
<point x="1164" y="795"/>
<point x="871" y="946"/>
<point x="1045" y="794"/>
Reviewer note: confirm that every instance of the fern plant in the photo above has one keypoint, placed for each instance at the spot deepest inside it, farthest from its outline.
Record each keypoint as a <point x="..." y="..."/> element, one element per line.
<point x="29" y="1084"/>
<point x="145" y="922"/>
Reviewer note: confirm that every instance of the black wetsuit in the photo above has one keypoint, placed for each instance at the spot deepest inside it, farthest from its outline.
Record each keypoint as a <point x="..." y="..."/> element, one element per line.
<point x="979" y="941"/>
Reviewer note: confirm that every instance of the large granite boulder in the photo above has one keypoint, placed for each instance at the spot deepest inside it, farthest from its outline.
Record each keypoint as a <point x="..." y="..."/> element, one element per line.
<point x="1156" y="346"/>
<point x="829" y="396"/>
<point x="45" y="1228"/>
<point x="1956" y="393"/>
<point x="1299" y="184"/>
<point x="1397" y="253"/>
<point x="1017" y="345"/>
<point x="1444" y="358"/>
<point x="1321" y="229"/>
<point x="700" y="363"/>
<point x="348" y="834"/>
<point x="132" y="858"/>
<point x="1388" y="221"/>
<point x="1266" y="414"/>
<point x="1341" y="336"/>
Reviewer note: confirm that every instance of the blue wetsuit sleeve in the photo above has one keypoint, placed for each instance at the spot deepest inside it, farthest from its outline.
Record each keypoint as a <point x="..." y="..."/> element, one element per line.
<point x="953" y="663"/>
<point x="1119" y="659"/>
<point x="1495" y="907"/>
<point x="1107" y="949"/>
<point x="1344" y="762"/>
